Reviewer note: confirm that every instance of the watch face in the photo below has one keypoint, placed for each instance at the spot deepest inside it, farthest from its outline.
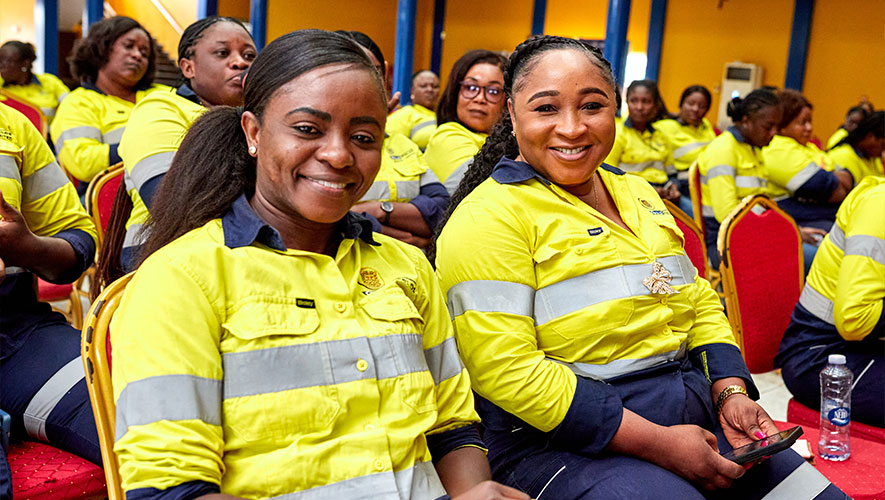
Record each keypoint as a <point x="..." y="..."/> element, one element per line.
<point x="387" y="206"/>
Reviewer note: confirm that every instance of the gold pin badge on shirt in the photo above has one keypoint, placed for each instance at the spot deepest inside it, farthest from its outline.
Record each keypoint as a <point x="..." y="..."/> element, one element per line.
<point x="659" y="280"/>
<point x="370" y="278"/>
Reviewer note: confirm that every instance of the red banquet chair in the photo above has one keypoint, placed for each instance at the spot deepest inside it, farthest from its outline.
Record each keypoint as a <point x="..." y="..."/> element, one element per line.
<point x="694" y="240"/>
<point x="762" y="276"/>
<point x="31" y="111"/>
<point x="41" y="472"/>
<point x="100" y="197"/>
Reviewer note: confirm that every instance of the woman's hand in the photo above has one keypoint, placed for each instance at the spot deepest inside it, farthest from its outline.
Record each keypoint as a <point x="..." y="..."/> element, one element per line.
<point x="16" y="240"/>
<point x="669" y="192"/>
<point x="2" y="271"/>
<point x="812" y="235"/>
<point x="490" y="490"/>
<point x="691" y="452"/>
<point x="744" y="421"/>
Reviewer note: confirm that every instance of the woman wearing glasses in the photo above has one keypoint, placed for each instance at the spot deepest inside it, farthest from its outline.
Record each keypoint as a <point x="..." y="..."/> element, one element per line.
<point x="468" y="109"/>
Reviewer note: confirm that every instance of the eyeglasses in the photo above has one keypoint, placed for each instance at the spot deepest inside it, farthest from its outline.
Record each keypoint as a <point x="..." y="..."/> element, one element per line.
<point x="493" y="93"/>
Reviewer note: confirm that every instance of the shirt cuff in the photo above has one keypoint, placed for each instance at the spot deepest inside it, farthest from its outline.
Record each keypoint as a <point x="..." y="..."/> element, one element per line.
<point x="719" y="361"/>
<point x="183" y="491"/>
<point x="819" y="187"/>
<point x="84" y="248"/>
<point x="431" y="203"/>
<point x="113" y="155"/>
<point x="592" y="420"/>
<point x="148" y="189"/>
<point x="446" y="442"/>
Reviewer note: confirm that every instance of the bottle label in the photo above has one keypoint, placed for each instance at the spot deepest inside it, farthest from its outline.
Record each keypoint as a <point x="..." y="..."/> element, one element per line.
<point x="839" y="416"/>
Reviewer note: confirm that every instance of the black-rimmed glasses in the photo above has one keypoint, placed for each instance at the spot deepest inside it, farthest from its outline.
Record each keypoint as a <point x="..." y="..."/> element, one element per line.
<point x="493" y="93"/>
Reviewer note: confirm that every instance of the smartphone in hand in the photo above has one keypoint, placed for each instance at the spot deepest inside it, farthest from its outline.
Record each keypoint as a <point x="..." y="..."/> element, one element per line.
<point x="765" y="447"/>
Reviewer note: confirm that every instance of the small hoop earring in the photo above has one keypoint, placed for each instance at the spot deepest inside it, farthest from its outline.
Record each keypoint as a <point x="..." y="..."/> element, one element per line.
<point x="253" y="150"/>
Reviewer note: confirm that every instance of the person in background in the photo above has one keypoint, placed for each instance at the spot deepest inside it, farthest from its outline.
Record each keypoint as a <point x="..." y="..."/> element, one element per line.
<point x="731" y="165"/>
<point x="640" y="148"/>
<point x="840" y="310"/>
<point x="853" y="117"/>
<point x="603" y="365"/>
<point x="406" y="201"/>
<point x="688" y="133"/>
<point x="270" y="343"/>
<point x="115" y="66"/>
<point x="417" y="121"/>
<point x="469" y="107"/>
<point x="43" y="90"/>
<point x="44" y="232"/>
<point x="860" y="152"/>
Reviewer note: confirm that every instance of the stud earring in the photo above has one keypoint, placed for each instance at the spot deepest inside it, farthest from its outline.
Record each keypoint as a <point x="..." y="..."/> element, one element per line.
<point x="513" y="133"/>
<point x="253" y="150"/>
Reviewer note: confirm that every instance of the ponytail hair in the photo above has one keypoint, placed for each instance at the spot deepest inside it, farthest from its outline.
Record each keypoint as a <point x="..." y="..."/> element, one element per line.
<point x="108" y="265"/>
<point x="756" y="100"/>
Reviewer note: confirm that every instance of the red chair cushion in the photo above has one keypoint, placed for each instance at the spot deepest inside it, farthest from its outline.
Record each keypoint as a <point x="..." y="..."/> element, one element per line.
<point x="41" y="472"/>
<point x="801" y="414"/>
<point x="32" y="114"/>
<point x="49" y="292"/>
<point x="106" y="199"/>
<point x="765" y="253"/>
<point x="694" y="248"/>
<point x="860" y="477"/>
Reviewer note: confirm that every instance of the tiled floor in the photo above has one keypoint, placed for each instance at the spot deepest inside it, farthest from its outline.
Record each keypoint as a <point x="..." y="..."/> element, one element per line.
<point x="773" y="394"/>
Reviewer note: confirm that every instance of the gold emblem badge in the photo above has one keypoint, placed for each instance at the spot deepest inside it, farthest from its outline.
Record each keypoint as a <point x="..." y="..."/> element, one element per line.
<point x="659" y="281"/>
<point x="646" y="204"/>
<point x="370" y="278"/>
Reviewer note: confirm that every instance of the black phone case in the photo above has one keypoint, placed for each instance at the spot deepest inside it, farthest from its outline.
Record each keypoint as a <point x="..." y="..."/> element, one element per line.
<point x="791" y="436"/>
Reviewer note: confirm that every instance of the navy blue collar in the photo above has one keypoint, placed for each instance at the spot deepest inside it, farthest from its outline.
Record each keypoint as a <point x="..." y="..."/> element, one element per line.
<point x="242" y="227"/>
<point x="737" y="134"/>
<point x="509" y="171"/>
<point x="92" y="87"/>
<point x="34" y="81"/>
<point x="185" y="91"/>
<point x="629" y="123"/>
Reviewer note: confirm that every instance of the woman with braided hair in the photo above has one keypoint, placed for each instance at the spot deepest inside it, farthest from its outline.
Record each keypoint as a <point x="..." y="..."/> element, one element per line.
<point x="603" y="364"/>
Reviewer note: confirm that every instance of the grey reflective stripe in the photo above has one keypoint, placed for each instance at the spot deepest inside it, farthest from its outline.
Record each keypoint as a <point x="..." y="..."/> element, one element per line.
<point x="43" y="182"/>
<point x="671" y="170"/>
<point x="133" y="236"/>
<point x="9" y="169"/>
<point x="707" y="211"/>
<point x="452" y="181"/>
<point x="62" y="97"/>
<point x="749" y="181"/>
<point x="444" y="361"/>
<point x="321" y="363"/>
<point x="639" y="167"/>
<point x="419" y="481"/>
<point x="682" y="175"/>
<point x="804" y="483"/>
<point x="406" y="190"/>
<point x="83" y="132"/>
<point x="837" y="236"/>
<point x="621" y="367"/>
<point x="782" y="198"/>
<point x="866" y="246"/>
<point x="168" y="397"/>
<point x="15" y="270"/>
<point x="719" y="170"/>
<point x="573" y="294"/>
<point x="688" y="148"/>
<point x="48" y="112"/>
<point x="380" y="190"/>
<point x="802" y="177"/>
<point x="817" y="304"/>
<point x="491" y="296"/>
<point x="429" y="177"/>
<point x="416" y="128"/>
<point x="150" y="167"/>
<point x="113" y="137"/>
<point x="42" y="404"/>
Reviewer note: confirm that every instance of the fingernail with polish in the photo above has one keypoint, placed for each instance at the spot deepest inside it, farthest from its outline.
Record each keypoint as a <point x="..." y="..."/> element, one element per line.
<point x="759" y="434"/>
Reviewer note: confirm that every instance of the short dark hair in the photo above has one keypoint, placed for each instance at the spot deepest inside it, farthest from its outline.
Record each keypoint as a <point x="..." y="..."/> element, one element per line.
<point x="25" y="50"/>
<point x="365" y="41"/>
<point x="194" y="32"/>
<point x="447" y="109"/>
<point x="791" y="102"/>
<point x="874" y="123"/>
<point x="652" y="88"/>
<point x="696" y="89"/>
<point x="92" y="52"/>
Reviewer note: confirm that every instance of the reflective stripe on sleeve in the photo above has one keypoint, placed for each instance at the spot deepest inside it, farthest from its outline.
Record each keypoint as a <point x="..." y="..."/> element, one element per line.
<point x="48" y="112"/>
<point x="421" y="125"/>
<point x="802" y="177"/>
<point x="418" y="481"/>
<point x="168" y="397"/>
<point x="749" y="181"/>
<point x="866" y="246"/>
<point x="837" y="236"/>
<point x="44" y="401"/>
<point x="10" y="270"/>
<point x="452" y="181"/>
<point x="719" y="170"/>
<point x="574" y="294"/>
<point x="380" y="190"/>
<point x="805" y="482"/>
<point x="682" y="175"/>
<point x="43" y="182"/>
<point x="150" y="167"/>
<point x="444" y="361"/>
<point x="639" y="167"/>
<point x="620" y="367"/>
<point x="406" y="190"/>
<point x="133" y="236"/>
<point x="114" y="136"/>
<point x="817" y="304"/>
<point x="490" y="296"/>
<point x="429" y="177"/>
<point x="707" y="211"/>
<point x="9" y="169"/>
<point x="688" y="148"/>
<point x="321" y="363"/>
<point x="83" y="132"/>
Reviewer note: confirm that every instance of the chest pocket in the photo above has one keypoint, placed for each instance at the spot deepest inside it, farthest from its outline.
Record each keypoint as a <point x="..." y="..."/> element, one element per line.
<point x="408" y="170"/>
<point x="277" y="383"/>
<point x="675" y="240"/>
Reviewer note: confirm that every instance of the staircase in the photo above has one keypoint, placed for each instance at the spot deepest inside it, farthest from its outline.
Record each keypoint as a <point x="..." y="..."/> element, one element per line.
<point x="167" y="71"/>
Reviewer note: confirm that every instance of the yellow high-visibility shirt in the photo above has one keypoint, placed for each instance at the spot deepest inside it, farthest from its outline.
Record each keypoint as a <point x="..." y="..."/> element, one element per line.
<point x="270" y="371"/>
<point x="686" y="142"/>
<point x="45" y="91"/>
<point x="87" y="129"/>
<point x="413" y="121"/>
<point x="859" y="167"/>
<point x="646" y="153"/>
<point x="450" y="152"/>
<point x="403" y="172"/>
<point x="730" y="170"/>
<point x="837" y="136"/>
<point x="793" y="169"/>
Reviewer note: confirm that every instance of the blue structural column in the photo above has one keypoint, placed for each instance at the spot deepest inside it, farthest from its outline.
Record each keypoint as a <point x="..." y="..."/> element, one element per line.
<point x="655" y="38"/>
<point x="93" y="13"/>
<point x="206" y="8"/>
<point x="258" y="20"/>
<point x="798" y="54"/>
<point x="436" y="45"/>
<point x="46" y="31"/>
<point x="615" y="49"/>
<point x="404" y="50"/>
<point x="539" y="15"/>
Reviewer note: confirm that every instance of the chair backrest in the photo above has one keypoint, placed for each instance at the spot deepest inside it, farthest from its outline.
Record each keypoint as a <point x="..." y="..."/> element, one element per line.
<point x="95" y="350"/>
<point x="32" y="112"/>
<point x="694" y="189"/>
<point x="694" y="239"/>
<point x="762" y="276"/>
<point x="100" y="197"/>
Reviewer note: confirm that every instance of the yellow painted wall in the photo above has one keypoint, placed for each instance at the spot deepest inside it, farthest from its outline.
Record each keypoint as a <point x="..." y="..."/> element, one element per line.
<point x="699" y="38"/>
<point x="17" y="21"/>
<point x="846" y="60"/>
<point x="184" y="12"/>
<point x="238" y="9"/>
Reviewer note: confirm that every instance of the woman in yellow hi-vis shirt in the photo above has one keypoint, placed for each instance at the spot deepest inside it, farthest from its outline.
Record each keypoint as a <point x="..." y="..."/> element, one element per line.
<point x="688" y="133"/>
<point x="860" y="151"/>
<point x="597" y="352"/>
<point x="16" y="77"/>
<point x="270" y="343"/>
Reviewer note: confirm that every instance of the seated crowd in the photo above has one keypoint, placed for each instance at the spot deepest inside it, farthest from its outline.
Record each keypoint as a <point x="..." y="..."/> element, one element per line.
<point x="488" y="297"/>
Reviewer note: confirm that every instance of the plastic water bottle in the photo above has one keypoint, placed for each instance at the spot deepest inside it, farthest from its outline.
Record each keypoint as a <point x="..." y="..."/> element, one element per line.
<point x="835" y="409"/>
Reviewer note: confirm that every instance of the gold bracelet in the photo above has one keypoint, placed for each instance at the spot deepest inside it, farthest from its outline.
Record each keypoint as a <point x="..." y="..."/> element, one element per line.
<point x="728" y="391"/>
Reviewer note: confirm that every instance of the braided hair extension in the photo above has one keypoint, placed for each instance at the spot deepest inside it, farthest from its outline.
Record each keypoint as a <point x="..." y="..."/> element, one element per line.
<point x="194" y="32"/>
<point x="748" y="106"/>
<point x="501" y="141"/>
